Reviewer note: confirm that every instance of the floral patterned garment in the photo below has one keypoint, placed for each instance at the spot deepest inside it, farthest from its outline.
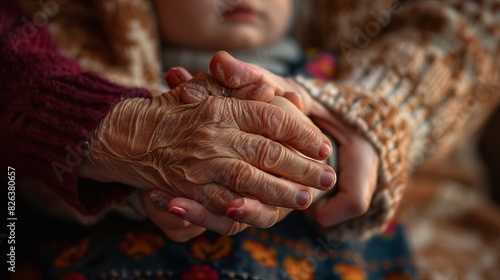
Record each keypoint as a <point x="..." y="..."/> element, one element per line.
<point x="118" y="248"/>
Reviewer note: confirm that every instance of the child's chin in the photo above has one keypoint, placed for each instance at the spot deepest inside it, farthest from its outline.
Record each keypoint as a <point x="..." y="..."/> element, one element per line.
<point x="244" y="39"/>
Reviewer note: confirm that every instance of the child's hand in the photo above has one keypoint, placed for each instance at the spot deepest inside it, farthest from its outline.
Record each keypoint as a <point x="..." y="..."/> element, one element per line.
<point x="358" y="172"/>
<point x="234" y="73"/>
<point x="244" y="81"/>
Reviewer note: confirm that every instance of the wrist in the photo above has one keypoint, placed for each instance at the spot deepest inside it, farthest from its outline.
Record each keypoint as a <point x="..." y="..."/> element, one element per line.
<point x="110" y="152"/>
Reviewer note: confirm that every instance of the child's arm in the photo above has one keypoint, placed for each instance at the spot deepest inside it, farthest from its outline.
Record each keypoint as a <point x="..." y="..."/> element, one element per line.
<point x="415" y="91"/>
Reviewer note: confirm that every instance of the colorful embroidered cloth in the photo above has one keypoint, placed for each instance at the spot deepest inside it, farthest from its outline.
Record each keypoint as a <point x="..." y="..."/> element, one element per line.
<point x="118" y="248"/>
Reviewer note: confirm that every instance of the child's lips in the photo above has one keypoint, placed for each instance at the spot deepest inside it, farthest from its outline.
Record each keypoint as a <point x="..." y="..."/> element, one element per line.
<point x="242" y="14"/>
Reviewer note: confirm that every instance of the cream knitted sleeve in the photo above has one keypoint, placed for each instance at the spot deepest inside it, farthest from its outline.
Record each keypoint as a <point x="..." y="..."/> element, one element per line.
<point x="416" y="90"/>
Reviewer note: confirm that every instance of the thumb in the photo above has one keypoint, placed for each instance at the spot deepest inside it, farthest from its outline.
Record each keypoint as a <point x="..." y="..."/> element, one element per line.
<point x="247" y="81"/>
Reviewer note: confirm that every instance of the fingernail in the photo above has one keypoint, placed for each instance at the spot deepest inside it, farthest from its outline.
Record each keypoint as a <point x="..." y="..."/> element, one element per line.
<point x="177" y="211"/>
<point x="302" y="198"/>
<point x="327" y="179"/>
<point x="235" y="213"/>
<point x="178" y="74"/>
<point x="159" y="198"/>
<point x="237" y="203"/>
<point x="325" y="151"/>
<point x="172" y="77"/>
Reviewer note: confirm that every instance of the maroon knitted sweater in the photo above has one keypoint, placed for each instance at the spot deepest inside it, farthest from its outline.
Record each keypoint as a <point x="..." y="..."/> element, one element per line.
<point x="49" y="108"/>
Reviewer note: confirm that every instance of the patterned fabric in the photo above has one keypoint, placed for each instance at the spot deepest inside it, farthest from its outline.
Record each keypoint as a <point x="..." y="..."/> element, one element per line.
<point x="420" y="78"/>
<point x="120" y="249"/>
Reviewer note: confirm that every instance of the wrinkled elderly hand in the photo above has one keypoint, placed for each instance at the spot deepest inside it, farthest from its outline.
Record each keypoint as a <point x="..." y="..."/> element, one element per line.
<point x="186" y="218"/>
<point x="358" y="159"/>
<point x="195" y="218"/>
<point x="212" y="152"/>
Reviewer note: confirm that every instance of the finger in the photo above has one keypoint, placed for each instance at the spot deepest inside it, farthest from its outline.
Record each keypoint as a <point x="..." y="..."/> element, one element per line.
<point x="225" y="178"/>
<point x="257" y="92"/>
<point x="204" y="85"/>
<point x="302" y="98"/>
<point x="176" y="76"/>
<point x="174" y="227"/>
<point x="245" y="180"/>
<point x="274" y="158"/>
<point x="341" y="207"/>
<point x="253" y="212"/>
<point x="234" y="73"/>
<point x="156" y="202"/>
<point x="357" y="183"/>
<point x="295" y="99"/>
<point x="276" y="124"/>
<point x="288" y="105"/>
<point x="197" y="214"/>
<point x="213" y="196"/>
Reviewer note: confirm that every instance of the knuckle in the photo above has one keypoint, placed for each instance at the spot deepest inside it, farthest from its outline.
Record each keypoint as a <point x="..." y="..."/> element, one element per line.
<point x="202" y="134"/>
<point x="246" y="146"/>
<point x="219" y="199"/>
<point x="212" y="109"/>
<point x="274" y="121"/>
<point x="270" y="154"/>
<point x="311" y="171"/>
<point x="278" y="194"/>
<point x="308" y="138"/>
<point x="243" y="173"/>
<point x="224" y="173"/>
<point x="358" y="207"/>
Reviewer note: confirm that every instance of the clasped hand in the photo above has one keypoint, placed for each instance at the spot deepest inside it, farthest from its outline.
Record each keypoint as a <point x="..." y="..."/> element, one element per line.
<point x="212" y="152"/>
<point x="190" y="218"/>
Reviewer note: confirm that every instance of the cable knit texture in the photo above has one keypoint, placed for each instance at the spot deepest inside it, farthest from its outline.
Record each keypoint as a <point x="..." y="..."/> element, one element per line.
<point x="50" y="107"/>
<point x="409" y="89"/>
<point x="414" y="76"/>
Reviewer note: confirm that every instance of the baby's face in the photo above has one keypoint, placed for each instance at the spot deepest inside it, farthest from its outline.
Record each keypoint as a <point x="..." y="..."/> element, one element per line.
<point x="223" y="24"/>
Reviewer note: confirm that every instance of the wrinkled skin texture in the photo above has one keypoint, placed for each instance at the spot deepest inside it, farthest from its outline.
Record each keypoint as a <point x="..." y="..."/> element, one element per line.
<point x="358" y="161"/>
<point x="180" y="230"/>
<point x="211" y="152"/>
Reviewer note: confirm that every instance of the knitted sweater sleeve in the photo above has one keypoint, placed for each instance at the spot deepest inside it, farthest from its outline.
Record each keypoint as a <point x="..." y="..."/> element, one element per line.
<point x="49" y="108"/>
<point x="415" y="90"/>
